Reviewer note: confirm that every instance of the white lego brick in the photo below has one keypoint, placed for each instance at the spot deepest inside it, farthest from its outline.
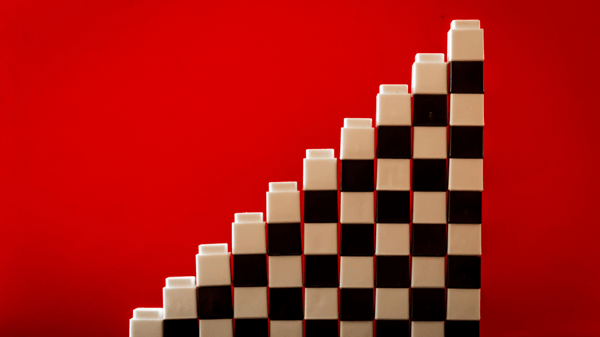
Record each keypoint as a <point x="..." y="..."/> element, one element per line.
<point x="429" y="142"/>
<point x="428" y="272"/>
<point x="466" y="109"/>
<point x="179" y="298"/>
<point x="248" y="234"/>
<point x="146" y="322"/>
<point x="285" y="271"/>
<point x="392" y="239"/>
<point x="465" y="41"/>
<point x="463" y="304"/>
<point x="320" y="303"/>
<point x="286" y="328"/>
<point x="429" y="74"/>
<point x="216" y="328"/>
<point x="393" y="105"/>
<point x="464" y="239"/>
<point x="429" y="207"/>
<point x="320" y="170"/>
<point x="283" y="203"/>
<point x="465" y="174"/>
<point x="393" y="174"/>
<point x="427" y="329"/>
<point x="209" y="249"/>
<point x="391" y="303"/>
<point x="320" y="238"/>
<point x="356" y="328"/>
<point x="356" y="272"/>
<point x="250" y="302"/>
<point x="357" y="207"/>
<point x="213" y="265"/>
<point x="358" y="139"/>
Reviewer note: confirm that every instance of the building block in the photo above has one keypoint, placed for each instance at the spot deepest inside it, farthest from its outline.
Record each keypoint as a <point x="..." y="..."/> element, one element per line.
<point x="464" y="239"/>
<point x="320" y="239"/>
<point x="214" y="302"/>
<point x="428" y="304"/>
<point x="466" y="77"/>
<point x="283" y="203"/>
<point x="394" y="141"/>
<point x="357" y="175"/>
<point x="320" y="206"/>
<point x="285" y="271"/>
<point x="321" y="303"/>
<point x="463" y="304"/>
<point x="464" y="207"/>
<point x="284" y="239"/>
<point x="181" y="327"/>
<point x="465" y="174"/>
<point x="356" y="272"/>
<point x="356" y="329"/>
<point x="393" y="207"/>
<point x="179" y="298"/>
<point x="249" y="302"/>
<point x="285" y="304"/>
<point x="465" y="41"/>
<point x="466" y="110"/>
<point x="391" y="303"/>
<point x="464" y="271"/>
<point x="393" y="105"/>
<point x="429" y="240"/>
<point x="430" y="110"/>
<point x="462" y="329"/>
<point x="429" y="175"/>
<point x="216" y="328"/>
<point x="251" y="327"/>
<point x="428" y="272"/>
<point x="393" y="239"/>
<point x="147" y="322"/>
<point x="393" y="174"/>
<point x="321" y="270"/>
<point x="392" y="328"/>
<point x="427" y="329"/>
<point x="429" y="142"/>
<point x="249" y="270"/>
<point x="392" y="272"/>
<point x="357" y="240"/>
<point x="429" y="74"/>
<point x="212" y="265"/>
<point x="321" y="328"/>
<point x="286" y="329"/>
<point x="320" y="170"/>
<point x="466" y="142"/>
<point x="356" y="304"/>
<point x="248" y="234"/>
<point x="357" y="207"/>
<point x="358" y="139"/>
<point x="429" y="207"/>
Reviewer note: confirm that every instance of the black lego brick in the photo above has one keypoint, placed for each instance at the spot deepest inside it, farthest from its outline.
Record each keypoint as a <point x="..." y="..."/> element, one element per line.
<point x="356" y="304"/>
<point x="284" y="239"/>
<point x="392" y="328"/>
<point x="214" y="302"/>
<point x="430" y="110"/>
<point x="429" y="240"/>
<point x="251" y="327"/>
<point x="250" y="270"/>
<point x="465" y="77"/>
<point x="428" y="304"/>
<point x="320" y="270"/>
<point x="429" y="175"/>
<point x="357" y="240"/>
<point x="464" y="272"/>
<point x="461" y="329"/>
<point x="321" y="328"/>
<point x="464" y="207"/>
<point x="320" y="206"/>
<point x="285" y="304"/>
<point x="394" y="141"/>
<point x="357" y="175"/>
<point x="392" y="272"/>
<point x="393" y="207"/>
<point x="466" y="142"/>
<point x="181" y="327"/>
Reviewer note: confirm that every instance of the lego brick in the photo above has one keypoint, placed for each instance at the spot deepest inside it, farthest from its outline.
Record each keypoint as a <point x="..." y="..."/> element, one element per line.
<point x="285" y="304"/>
<point x="356" y="329"/>
<point x="285" y="271"/>
<point x="321" y="328"/>
<point x="181" y="327"/>
<point x="357" y="175"/>
<point x="392" y="272"/>
<point x="393" y="174"/>
<point x="320" y="238"/>
<point x="429" y="207"/>
<point x="249" y="302"/>
<point x="248" y="234"/>
<point x="427" y="329"/>
<point x="430" y="110"/>
<point x="251" y="327"/>
<point x="146" y="322"/>
<point x="214" y="302"/>
<point x="428" y="272"/>
<point x="429" y="175"/>
<point x="429" y="240"/>
<point x="216" y="328"/>
<point x="356" y="272"/>
<point x="286" y="328"/>
<point x="320" y="170"/>
<point x="463" y="304"/>
<point x="393" y="105"/>
<point x="428" y="304"/>
<point x="357" y="240"/>
<point x="179" y="298"/>
<point x="429" y="142"/>
<point x="212" y="265"/>
<point x="393" y="239"/>
<point x="357" y="207"/>
<point x="391" y="303"/>
<point x="321" y="270"/>
<point x="466" y="142"/>
<point x="283" y="202"/>
<point x="356" y="304"/>
<point x="250" y="270"/>
<point x="464" y="239"/>
<point x="465" y="41"/>
<point x="321" y="303"/>
<point x="393" y="207"/>
<point x="466" y="109"/>
<point x="465" y="174"/>
<point x="392" y="328"/>
<point x="358" y="139"/>
<point x="465" y="77"/>
<point x="429" y="74"/>
<point x="464" y="207"/>
<point x="462" y="329"/>
<point x="394" y="141"/>
<point x="320" y="206"/>
<point x="464" y="272"/>
<point x="284" y="239"/>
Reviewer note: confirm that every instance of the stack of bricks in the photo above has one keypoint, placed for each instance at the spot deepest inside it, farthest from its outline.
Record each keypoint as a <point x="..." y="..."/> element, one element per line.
<point x="181" y="310"/>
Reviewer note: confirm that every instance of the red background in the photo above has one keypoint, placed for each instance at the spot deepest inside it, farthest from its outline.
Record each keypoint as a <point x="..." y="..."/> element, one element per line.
<point x="131" y="131"/>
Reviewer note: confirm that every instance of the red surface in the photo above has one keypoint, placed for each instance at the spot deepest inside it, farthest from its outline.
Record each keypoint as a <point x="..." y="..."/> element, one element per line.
<point x="130" y="132"/>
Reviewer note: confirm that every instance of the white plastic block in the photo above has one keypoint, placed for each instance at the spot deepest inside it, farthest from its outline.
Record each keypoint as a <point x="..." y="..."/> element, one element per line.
<point x="320" y="170"/>
<point x="393" y="105"/>
<point x="216" y="328"/>
<point x="465" y="41"/>
<point x="393" y="174"/>
<point x="429" y="74"/>
<point x="357" y="207"/>
<point x="209" y="249"/>
<point x="320" y="239"/>
<point x="285" y="271"/>
<point x="248" y="234"/>
<point x="213" y="265"/>
<point x="428" y="272"/>
<point x="283" y="203"/>
<point x="250" y="302"/>
<point x="356" y="328"/>
<point x="356" y="272"/>
<point x="465" y="174"/>
<point x="429" y="207"/>
<point x="286" y="328"/>
<point x="466" y="109"/>
<point x="463" y="304"/>
<point x="179" y="298"/>
<point x="391" y="303"/>
<point x="429" y="142"/>
<point x="358" y="139"/>
<point x="146" y="322"/>
<point x="248" y="217"/>
<point x="392" y="239"/>
<point x="320" y="303"/>
<point x="464" y="239"/>
<point x="427" y="329"/>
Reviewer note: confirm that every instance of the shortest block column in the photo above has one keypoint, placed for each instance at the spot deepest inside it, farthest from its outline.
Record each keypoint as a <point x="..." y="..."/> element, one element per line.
<point x="146" y="322"/>
<point x="181" y="313"/>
